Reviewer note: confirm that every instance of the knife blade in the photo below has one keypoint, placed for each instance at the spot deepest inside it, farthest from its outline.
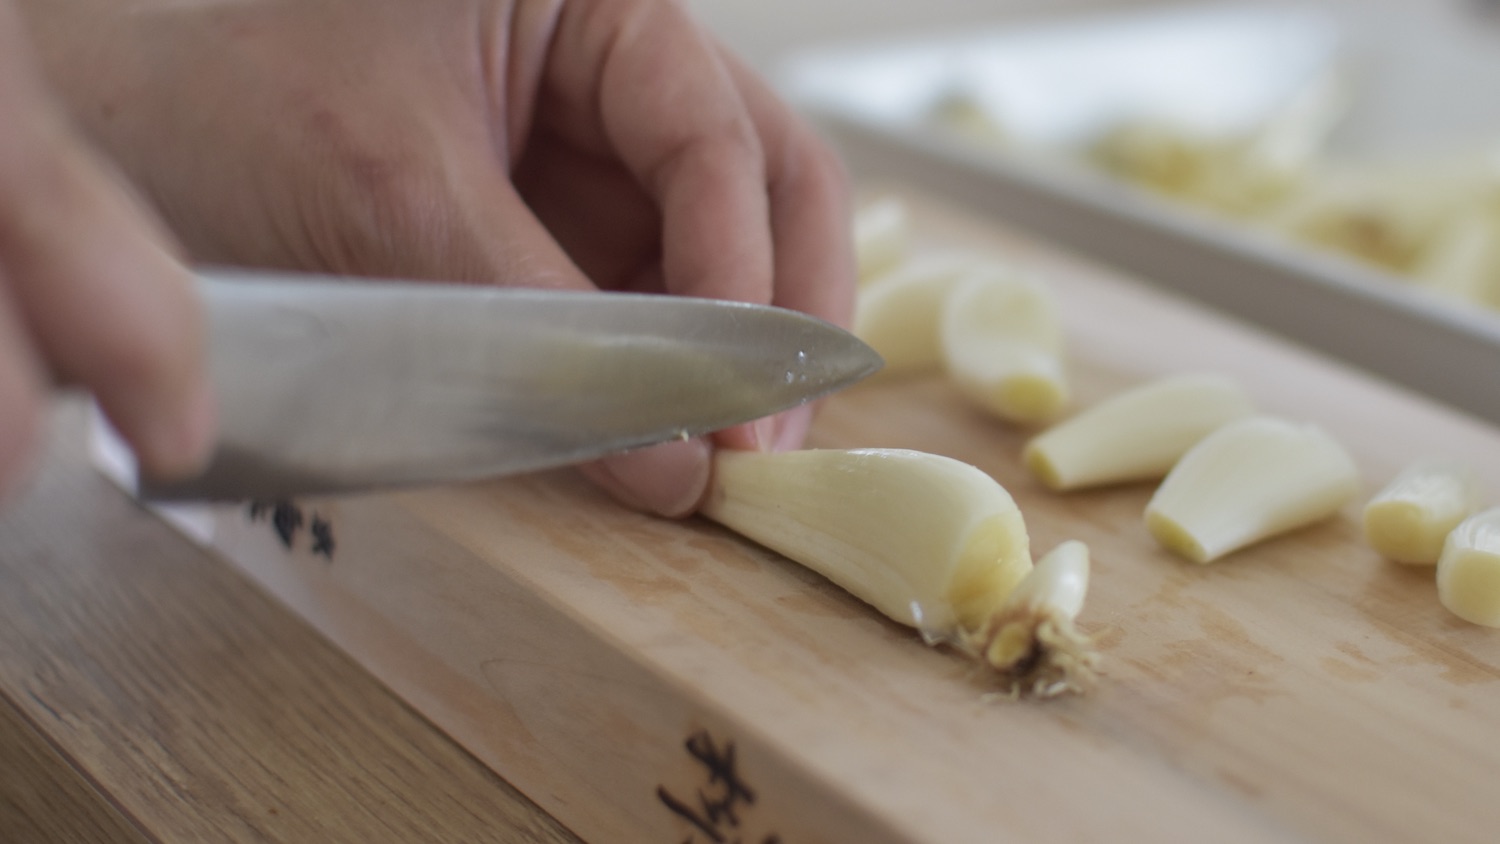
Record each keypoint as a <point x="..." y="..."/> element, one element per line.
<point x="332" y="385"/>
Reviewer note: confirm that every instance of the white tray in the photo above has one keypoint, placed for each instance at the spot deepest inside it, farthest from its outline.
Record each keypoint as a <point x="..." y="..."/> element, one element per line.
<point x="1423" y="79"/>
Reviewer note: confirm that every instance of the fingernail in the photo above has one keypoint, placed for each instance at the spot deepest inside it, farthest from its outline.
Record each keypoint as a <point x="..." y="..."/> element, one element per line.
<point x="765" y="433"/>
<point x="668" y="479"/>
<point x="793" y="428"/>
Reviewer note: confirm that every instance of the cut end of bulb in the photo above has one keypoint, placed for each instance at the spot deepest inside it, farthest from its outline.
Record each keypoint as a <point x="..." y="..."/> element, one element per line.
<point x="1032" y="398"/>
<point x="1399" y="531"/>
<point x="1176" y="538"/>
<point x="1468" y="574"/>
<point x="1409" y="520"/>
<point x="1469" y="586"/>
<point x="1040" y="464"/>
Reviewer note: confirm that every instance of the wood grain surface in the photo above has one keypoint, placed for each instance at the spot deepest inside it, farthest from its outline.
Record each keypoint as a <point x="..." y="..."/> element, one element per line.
<point x="149" y="693"/>
<point x="1301" y="690"/>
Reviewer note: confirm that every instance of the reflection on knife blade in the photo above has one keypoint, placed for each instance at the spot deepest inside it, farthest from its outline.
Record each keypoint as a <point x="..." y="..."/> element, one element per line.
<point x="335" y="385"/>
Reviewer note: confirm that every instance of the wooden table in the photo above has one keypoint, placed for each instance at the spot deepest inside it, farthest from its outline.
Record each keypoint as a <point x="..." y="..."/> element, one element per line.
<point x="149" y="692"/>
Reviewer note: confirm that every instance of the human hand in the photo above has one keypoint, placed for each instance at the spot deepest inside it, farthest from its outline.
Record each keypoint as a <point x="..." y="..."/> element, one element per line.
<point x="560" y="143"/>
<point x="89" y="292"/>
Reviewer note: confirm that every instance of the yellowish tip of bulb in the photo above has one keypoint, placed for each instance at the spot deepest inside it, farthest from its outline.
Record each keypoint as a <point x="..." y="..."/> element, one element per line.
<point x="1031" y="399"/>
<point x="1174" y="537"/>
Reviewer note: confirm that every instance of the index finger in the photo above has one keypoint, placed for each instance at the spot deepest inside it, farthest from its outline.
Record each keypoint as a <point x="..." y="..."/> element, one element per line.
<point x="809" y="205"/>
<point x="89" y="278"/>
<point x="642" y="82"/>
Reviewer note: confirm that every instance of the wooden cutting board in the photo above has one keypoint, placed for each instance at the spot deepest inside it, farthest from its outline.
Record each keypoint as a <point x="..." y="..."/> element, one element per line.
<point x="654" y="681"/>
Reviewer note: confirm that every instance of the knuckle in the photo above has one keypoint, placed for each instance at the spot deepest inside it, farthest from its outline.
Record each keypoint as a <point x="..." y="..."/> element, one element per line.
<point x="740" y="140"/>
<point x="733" y="147"/>
<point x="823" y="168"/>
<point x="383" y="210"/>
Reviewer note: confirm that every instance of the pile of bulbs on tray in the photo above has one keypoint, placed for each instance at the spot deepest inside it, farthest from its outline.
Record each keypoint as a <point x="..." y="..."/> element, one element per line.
<point x="1431" y="218"/>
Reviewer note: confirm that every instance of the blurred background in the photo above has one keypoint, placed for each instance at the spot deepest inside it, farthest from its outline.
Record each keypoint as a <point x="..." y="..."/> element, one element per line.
<point x="1328" y="169"/>
<point x="763" y="30"/>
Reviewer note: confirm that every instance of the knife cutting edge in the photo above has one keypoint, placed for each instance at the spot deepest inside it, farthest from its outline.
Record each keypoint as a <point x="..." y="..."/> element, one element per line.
<point x="330" y="385"/>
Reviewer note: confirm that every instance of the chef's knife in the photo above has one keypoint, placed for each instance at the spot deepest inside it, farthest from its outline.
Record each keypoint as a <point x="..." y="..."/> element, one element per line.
<point x="329" y="385"/>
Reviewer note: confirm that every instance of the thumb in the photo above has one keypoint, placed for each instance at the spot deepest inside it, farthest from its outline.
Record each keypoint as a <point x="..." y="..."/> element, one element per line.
<point x="102" y="301"/>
